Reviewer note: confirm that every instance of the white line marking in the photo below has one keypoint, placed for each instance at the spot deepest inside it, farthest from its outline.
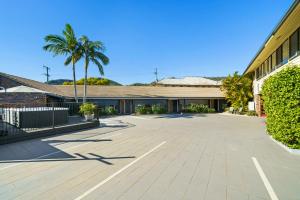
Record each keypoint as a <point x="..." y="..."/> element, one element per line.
<point x="56" y="152"/>
<point x="265" y="179"/>
<point x="118" y="172"/>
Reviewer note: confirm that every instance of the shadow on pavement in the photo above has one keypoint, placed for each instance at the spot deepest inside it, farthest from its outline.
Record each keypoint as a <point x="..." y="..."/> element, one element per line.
<point x="80" y="157"/>
<point x="47" y="149"/>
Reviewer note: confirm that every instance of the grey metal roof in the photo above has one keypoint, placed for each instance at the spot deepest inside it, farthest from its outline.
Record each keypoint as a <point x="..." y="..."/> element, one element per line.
<point x="189" y="81"/>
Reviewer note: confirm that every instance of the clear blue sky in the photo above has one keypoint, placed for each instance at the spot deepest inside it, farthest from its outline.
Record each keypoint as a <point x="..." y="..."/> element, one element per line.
<point x="181" y="38"/>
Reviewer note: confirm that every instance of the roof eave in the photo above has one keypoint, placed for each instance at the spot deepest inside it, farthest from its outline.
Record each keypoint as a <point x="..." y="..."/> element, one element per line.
<point x="283" y="19"/>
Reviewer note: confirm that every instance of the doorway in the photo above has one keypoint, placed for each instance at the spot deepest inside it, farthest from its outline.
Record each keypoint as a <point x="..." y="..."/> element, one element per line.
<point x="175" y="106"/>
<point x="128" y="107"/>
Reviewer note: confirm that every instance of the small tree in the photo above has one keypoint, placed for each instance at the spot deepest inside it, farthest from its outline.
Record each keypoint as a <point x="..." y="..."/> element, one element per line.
<point x="237" y="90"/>
<point x="88" y="108"/>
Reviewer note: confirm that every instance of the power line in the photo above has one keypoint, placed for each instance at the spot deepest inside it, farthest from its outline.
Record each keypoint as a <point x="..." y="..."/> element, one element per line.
<point x="47" y="73"/>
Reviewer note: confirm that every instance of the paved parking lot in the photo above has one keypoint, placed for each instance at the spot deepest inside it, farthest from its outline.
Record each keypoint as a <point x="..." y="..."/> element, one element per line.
<point x="153" y="157"/>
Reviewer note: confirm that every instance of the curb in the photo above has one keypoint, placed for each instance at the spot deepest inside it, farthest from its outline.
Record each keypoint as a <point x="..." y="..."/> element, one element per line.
<point x="292" y="151"/>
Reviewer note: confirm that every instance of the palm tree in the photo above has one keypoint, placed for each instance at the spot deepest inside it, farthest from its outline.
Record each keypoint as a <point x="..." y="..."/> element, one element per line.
<point x="67" y="45"/>
<point x="92" y="51"/>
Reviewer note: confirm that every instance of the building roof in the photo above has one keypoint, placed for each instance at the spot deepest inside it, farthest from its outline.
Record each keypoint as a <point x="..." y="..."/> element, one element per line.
<point x="117" y="91"/>
<point x="141" y="92"/>
<point x="189" y="81"/>
<point x="30" y="83"/>
<point x="23" y="89"/>
<point x="286" y="26"/>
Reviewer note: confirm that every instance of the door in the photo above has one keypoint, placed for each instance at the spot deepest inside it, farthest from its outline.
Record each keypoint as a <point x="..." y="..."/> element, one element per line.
<point x="128" y="107"/>
<point x="216" y="105"/>
<point x="175" y="106"/>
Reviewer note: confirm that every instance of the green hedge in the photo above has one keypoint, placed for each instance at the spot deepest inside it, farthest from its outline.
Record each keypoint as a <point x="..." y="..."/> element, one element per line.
<point x="108" y="111"/>
<point x="281" y="97"/>
<point x="158" y="109"/>
<point x="142" y="109"/>
<point x="198" y="108"/>
<point x="154" y="109"/>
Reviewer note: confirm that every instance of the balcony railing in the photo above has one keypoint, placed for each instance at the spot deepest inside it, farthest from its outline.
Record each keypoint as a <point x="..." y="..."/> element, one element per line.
<point x="284" y="62"/>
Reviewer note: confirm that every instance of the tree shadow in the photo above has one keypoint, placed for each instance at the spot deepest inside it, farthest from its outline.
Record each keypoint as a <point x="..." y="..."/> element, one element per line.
<point x="50" y="147"/>
<point x="78" y="157"/>
<point x="80" y="140"/>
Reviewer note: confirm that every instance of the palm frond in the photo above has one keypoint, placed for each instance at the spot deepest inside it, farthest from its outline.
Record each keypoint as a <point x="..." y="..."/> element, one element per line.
<point x="104" y="59"/>
<point x="56" y="49"/>
<point x="100" y="67"/>
<point x="68" y="60"/>
<point x="57" y="39"/>
<point x="70" y="37"/>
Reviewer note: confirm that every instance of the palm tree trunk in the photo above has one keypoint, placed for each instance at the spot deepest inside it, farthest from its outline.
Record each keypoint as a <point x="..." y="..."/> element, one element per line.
<point x="74" y="82"/>
<point x="85" y="81"/>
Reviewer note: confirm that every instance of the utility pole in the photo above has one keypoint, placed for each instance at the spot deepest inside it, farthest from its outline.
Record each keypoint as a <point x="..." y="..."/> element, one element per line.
<point x="156" y="74"/>
<point x="47" y="72"/>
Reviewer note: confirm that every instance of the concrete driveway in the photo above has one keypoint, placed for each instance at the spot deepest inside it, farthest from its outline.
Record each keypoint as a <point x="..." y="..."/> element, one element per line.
<point x="153" y="157"/>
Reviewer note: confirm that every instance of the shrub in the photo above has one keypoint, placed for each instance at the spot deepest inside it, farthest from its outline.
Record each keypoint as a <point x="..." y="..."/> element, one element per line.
<point x="196" y="108"/>
<point x="142" y="109"/>
<point x="211" y="110"/>
<point x="110" y="110"/>
<point x="251" y="113"/>
<point x="158" y="109"/>
<point x="88" y="108"/>
<point x="281" y="96"/>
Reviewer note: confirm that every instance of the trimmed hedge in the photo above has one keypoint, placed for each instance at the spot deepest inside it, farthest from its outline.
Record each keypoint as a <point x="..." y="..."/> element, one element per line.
<point x="154" y="109"/>
<point x="281" y="100"/>
<point x="108" y="111"/>
<point x="198" y="108"/>
<point x="142" y="109"/>
<point x="158" y="109"/>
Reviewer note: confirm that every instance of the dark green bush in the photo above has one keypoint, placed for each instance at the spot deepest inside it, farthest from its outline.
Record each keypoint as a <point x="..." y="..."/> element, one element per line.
<point x="281" y="96"/>
<point x="158" y="109"/>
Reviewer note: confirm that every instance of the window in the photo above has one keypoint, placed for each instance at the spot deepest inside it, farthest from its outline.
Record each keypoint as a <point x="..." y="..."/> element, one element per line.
<point x="285" y="51"/>
<point x="299" y="39"/>
<point x="257" y="73"/>
<point x="294" y="43"/>
<point x="279" y="55"/>
<point x="274" y="61"/>
<point x="266" y="65"/>
<point x="262" y="70"/>
<point x="270" y="64"/>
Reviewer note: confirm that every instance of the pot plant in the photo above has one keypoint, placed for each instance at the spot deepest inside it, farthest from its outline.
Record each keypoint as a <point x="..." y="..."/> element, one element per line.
<point x="88" y="110"/>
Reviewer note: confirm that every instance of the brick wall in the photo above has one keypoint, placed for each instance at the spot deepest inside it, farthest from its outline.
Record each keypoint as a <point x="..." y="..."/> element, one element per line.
<point x="27" y="98"/>
<point x="258" y="104"/>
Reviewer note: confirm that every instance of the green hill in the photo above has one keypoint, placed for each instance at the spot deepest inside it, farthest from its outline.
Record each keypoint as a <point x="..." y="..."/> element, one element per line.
<point x="91" y="81"/>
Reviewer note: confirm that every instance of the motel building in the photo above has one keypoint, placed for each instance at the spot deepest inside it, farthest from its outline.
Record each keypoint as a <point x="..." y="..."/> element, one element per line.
<point x="173" y="94"/>
<point x="280" y="49"/>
